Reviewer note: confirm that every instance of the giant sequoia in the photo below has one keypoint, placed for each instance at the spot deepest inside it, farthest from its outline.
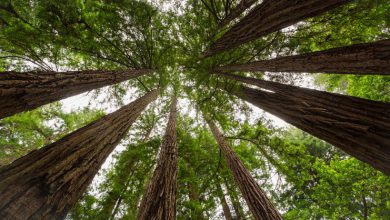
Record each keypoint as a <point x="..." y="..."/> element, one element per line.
<point x="159" y="201"/>
<point x="369" y="58"/>
<point x="358" y="126"/>
<point x="23" y="91"/>
<point x="299" y="169"/>
<point x="255" y="198"/>
<point x="47" y="182"/>
<point x="270" y="16"/>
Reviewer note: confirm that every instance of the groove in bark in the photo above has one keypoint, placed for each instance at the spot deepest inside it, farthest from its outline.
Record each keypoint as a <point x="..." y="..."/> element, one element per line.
<point x="237" y="11"/>
<point x="257" y="201"/>
<point x="358" y="126"/>
<point x="268" y="17"/>
<point x="28" y="90"/>
<point x="369" y="58"/>
<point x="159" y="201"/>
<point x="47" y="182"/>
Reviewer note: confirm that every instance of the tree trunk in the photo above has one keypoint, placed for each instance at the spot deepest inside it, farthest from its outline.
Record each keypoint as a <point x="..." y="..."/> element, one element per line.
<point x="28" y="90"/>
<point x="225" y="207"/>
<point x="369" y="58"/>
<point x="360" y="127"/>
<point x="235" y="201"/>
<point x="47" y="182"/>
<point x="257" y="201"/>
<point x="268" y="17"/>
<point x="237" y="11"/>
<point x="159" y="201"/>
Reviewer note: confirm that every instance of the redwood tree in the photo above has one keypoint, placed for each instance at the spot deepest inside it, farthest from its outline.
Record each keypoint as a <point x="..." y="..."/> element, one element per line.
<point x="159" y="201"/>
<point x="369" y="58"/>
<point x="268" y="17"/>
<point x="237" y="11"/>
<point x="257" y="201"/>
<point x="47" y="182"/>
<point x="28" y="90"/>
<point x="360" y="127"/>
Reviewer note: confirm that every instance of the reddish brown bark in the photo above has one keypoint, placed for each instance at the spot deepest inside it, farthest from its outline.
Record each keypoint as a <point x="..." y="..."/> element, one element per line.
<point x="268" y="17"/>
<point x="159" y="201"/>
<point x="28" y="90"/>
<point x="47" y="182"/>
<point x="237" y="11"/>
<point x="256" y="199"/>
<point x="358" y="126"/>
<point x="369" y="58"/>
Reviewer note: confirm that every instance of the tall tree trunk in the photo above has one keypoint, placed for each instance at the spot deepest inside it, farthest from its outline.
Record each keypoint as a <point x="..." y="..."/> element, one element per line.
<point x="234" y="198"/>
<point x="225" y="207"/>
<point x="47" y="182"/>
<point x="159" y="201"/>
<point x="237" y="11"/>
<point x="369" y="58"/>
<point x="360" y="127"/>
<point x="256" y="199"/>
<point x="268" y="17"/>
<point x="28" y="90"/>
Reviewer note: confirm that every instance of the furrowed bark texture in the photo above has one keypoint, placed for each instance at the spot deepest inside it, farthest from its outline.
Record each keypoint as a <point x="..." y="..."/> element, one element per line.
<point x="28" y="90"/>
<point x="358" y="126"/>
<point x="47" y="182"/>
<point x="159" y="201"/>
<point x="256" y="199"/>
<point x="268" y="17"/>
<point x="369" y="58"/>
<point x="237" y="11"/>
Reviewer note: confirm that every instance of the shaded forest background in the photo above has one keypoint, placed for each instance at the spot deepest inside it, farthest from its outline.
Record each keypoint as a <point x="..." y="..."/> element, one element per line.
<point x="305" y="177"/>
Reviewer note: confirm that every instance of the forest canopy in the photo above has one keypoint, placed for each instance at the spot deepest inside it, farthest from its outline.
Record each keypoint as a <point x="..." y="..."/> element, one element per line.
<point x="195" y="109"/>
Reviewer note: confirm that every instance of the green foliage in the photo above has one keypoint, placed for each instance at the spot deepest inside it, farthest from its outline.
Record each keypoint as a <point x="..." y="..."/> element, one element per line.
<point x="305" y="177"/>
<point x="30" y="130"/>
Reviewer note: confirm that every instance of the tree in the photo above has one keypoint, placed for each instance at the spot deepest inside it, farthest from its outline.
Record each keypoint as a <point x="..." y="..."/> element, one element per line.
<point x="22" y="133"/>
<point x="41" y="179"/>
<point x="237" y="11"/>
<point x="369" y="58"/>
<point x="25" y="91"/>
<point x="159" y="201"/>
<point x="268" y="17"/>
<point x="225" y="207"/>
<point x="338" y="119"/>
<point x="256" y="199"/>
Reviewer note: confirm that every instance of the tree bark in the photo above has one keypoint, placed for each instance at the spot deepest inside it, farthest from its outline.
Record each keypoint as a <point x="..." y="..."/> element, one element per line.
<point x="369" y="58"/>
<point x="358" y="126"/>
<point x="47" y="182"/>
<point x="268" y="17"/>
<point x="159" y="201"/>
<point x="225" y="207"/>
<point x="237" y="11"/>
<point x="257" y="201"/>
<point x="28" y="90"/>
